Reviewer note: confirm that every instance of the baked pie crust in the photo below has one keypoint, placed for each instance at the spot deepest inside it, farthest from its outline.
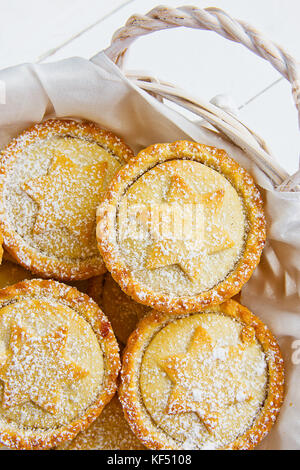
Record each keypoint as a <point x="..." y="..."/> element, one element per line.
<point x="95" y="289"/>
<point x="52" y="179"/>
<point x="59" y="362"/>
<point x="122" y="311"/>
<point x="181" y="227"/>
<point x="11" y="273"/>
<point x="110" y="431"/>
<point x="208" y="380"/>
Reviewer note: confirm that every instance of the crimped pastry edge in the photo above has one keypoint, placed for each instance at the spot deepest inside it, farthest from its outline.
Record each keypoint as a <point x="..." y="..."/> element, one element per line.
<point x="89" y="310"/>
<point x="107" y="233"/>
<point x="29" y="257"/>
<point x="129" y="392"/>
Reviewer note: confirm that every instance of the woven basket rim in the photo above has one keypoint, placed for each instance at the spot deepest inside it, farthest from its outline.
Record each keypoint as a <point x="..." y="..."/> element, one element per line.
<point x="217" y="20"/>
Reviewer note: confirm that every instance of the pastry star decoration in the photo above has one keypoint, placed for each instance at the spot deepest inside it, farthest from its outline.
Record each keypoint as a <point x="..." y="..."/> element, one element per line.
<point x="34" y="369"/>
<point x="181" y="251"/>
<point x="67" y="196"/>
<point x="207" y="380"/>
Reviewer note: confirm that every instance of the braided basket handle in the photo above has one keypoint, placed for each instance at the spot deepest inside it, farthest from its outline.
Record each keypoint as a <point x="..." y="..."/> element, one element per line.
<point x="211" y="19"/>
<point x="214" y="19"/>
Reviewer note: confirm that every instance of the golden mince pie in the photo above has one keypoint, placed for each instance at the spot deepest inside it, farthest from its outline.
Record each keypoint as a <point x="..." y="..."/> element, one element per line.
<point x="181" y="227"/>
<point x="52" y="179"/>
<point x="208" y="380"/>
<point x="122" y="311"/>
<point x="59" y="362"/>
<point x="110" y="431"/>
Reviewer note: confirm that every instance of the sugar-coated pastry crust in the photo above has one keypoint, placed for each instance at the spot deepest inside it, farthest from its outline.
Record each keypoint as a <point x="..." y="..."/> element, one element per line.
<point x="27" y="437"/>
<point x="244" y="186"/>
<point x="31" y="257"/>
<point x="153" y="436"/>
<point x="122" y="311"/>
<point x="110" y="431"/>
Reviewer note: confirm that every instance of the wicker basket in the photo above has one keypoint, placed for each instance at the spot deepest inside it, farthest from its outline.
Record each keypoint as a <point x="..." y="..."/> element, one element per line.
<point x="223" y="121"/>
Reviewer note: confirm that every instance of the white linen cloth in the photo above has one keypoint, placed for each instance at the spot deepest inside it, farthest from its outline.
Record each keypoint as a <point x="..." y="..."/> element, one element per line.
<point x="97" y="90"/>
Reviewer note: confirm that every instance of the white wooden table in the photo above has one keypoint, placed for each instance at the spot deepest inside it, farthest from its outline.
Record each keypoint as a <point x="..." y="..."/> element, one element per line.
<point x="201" y="62"/>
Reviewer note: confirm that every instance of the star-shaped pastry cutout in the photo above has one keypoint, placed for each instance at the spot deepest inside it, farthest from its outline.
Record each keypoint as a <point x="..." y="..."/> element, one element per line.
<point x="67" y="196"/>
<point x="186" y="253"/>
<point x="206" y="379"/>
<point x="35" y="368"/>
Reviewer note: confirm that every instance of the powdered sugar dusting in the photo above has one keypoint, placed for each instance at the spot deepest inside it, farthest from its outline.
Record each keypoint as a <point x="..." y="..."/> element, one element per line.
<point x="54" y="178"/>
<point x="201" y="383"/>
<point x="110" y="431"/>
<point x="52" y="369"/>
<point x="57" y="202"/>
<point x="183" y="267"/>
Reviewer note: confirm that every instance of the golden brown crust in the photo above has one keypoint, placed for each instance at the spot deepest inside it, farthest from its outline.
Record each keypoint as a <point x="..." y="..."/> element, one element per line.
<point x="89" y="310"/>
<point x="11" y="273"/>
<point x="122" y="312"/>
<point x="152" y="436"/>
<point x="28" y="257"/>
<point x="241" y="181"/>
<point x="95" y="288"/>
<point x="110" y="431"/>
